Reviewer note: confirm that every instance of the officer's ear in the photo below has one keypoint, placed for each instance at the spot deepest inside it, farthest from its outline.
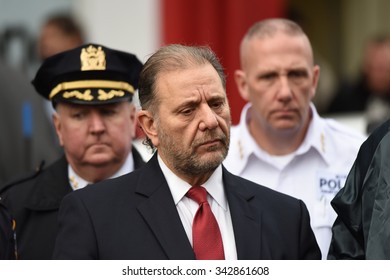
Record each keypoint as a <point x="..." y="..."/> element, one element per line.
<point x="148" y="124"/>
<point x="242" y="86"/>
<point x="58" y="126"/>
<point x="316" y="76"/>
<point x="133" y="119"/>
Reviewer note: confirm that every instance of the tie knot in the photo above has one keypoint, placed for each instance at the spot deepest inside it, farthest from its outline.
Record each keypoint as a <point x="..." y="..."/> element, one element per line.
<point x="197" y="193"/>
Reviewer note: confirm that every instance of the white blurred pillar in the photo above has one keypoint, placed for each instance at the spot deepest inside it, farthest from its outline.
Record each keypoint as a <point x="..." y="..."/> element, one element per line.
<point x="128" y="25"/>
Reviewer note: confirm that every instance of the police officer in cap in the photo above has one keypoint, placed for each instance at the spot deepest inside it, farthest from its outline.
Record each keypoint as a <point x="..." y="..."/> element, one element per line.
<point x="91" y="88"/>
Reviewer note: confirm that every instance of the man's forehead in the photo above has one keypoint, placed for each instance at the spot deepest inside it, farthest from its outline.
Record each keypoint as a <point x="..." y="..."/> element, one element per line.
<point x="271" y="50"/>
<point x="189" y="78"/>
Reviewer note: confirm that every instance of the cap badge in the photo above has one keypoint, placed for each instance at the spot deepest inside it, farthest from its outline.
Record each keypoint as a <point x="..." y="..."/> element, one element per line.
<point x="92" y="59"/>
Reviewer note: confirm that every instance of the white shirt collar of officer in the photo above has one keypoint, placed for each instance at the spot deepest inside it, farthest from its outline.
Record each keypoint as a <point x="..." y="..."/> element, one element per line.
<point x="77" y="182"/>
<point x="247" y="147"/>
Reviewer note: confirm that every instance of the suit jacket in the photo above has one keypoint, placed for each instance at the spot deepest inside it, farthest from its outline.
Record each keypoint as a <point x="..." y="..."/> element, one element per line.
<point x="34" y="203"/>
<point x="134" y="217"/>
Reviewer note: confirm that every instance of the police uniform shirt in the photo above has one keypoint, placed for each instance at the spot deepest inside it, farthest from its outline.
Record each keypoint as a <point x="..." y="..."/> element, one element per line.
<point x="76" y="182"/>
<point x="216" y="197"/>
<point x="314" y="173"/>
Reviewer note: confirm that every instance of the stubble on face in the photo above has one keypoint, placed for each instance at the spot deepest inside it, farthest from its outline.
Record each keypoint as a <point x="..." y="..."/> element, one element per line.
<point x="196" y="160"/>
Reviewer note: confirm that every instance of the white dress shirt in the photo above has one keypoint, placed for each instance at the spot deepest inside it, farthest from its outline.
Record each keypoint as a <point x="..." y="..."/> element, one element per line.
<point x="216" y="197"/>
<point x="314" y="173"/>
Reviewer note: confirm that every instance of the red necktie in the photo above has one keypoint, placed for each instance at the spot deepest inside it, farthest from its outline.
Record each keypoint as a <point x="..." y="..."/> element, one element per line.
<point x="206" y="236"/>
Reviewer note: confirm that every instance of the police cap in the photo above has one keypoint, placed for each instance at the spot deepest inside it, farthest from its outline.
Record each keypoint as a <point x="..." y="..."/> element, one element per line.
<point x="90" y="74"/>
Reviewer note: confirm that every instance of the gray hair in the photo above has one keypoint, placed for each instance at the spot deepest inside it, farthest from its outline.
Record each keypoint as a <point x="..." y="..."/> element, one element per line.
<point x="171" y="58"/>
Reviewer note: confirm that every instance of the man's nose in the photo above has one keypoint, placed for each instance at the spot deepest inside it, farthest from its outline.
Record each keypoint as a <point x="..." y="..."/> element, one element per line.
<point x="208" y="118"/>
<point x="97" y="123"/>
<point x="284" y="91"/>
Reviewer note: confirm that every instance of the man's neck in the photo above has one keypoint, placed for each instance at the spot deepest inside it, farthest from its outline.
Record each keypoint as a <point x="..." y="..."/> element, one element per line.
<point x="278" y="142"/>
<point x="193" y="180"/>
<point x="96" y="173"/>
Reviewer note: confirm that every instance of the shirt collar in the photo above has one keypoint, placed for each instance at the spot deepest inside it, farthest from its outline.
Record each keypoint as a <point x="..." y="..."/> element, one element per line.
<point x="316" y="137"/>
<point x="77" y="182"/>
<point x="179" y="187"/>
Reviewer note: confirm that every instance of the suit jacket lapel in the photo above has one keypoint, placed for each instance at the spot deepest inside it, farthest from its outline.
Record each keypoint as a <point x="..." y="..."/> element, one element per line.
<point x="246" y="221"/>
<point x="160" y="212"/>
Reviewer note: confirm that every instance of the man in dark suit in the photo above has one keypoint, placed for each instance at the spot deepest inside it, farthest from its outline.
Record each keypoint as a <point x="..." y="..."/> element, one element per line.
<point x="91" y="88"/>
<point x="183" y="196"/>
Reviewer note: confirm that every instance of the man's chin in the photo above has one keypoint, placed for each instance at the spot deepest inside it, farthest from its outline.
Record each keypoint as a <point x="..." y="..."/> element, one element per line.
<point x="285" y="125"/>
<point x="215" y="157"/>
<point x="100" y="160"/>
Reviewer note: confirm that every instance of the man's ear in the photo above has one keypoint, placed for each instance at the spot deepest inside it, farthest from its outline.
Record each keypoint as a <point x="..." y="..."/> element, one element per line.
<point x="57" y="126"/>
<point x="239" y="77"/>
<point x="148" y="125"/>
<point x="316" y="76"/>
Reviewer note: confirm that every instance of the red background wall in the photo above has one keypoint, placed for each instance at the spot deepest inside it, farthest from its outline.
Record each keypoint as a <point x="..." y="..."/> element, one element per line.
<point x="220" y="24"/>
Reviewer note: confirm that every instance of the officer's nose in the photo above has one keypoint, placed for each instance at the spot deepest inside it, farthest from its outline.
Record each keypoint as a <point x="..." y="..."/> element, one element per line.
<point x="96" y="123"/>
<point x="284" y="90"/>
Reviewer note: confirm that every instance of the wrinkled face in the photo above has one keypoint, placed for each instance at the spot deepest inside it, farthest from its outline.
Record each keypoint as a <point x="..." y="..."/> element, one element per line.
<point x="193" y="121"/>
<point x="95" y="135"/>
<point x="279" y="79"/>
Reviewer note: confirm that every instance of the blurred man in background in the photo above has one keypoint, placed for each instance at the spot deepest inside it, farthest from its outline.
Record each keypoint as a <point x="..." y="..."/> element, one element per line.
<point x="370" y="92"/>
<point x="58" y="33"/>
<point x="281" y="142"/>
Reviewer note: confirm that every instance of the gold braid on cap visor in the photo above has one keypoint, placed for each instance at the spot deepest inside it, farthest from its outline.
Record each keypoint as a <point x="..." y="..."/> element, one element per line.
<point x="91" y="84"/>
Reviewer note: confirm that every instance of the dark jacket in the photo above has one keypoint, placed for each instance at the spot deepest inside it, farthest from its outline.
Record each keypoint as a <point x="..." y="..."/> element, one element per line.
<point x="134" y="217"/>
<point x="362" y="227"/>
<point x="7" y="236"/>
<point x="34" y="204"/>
